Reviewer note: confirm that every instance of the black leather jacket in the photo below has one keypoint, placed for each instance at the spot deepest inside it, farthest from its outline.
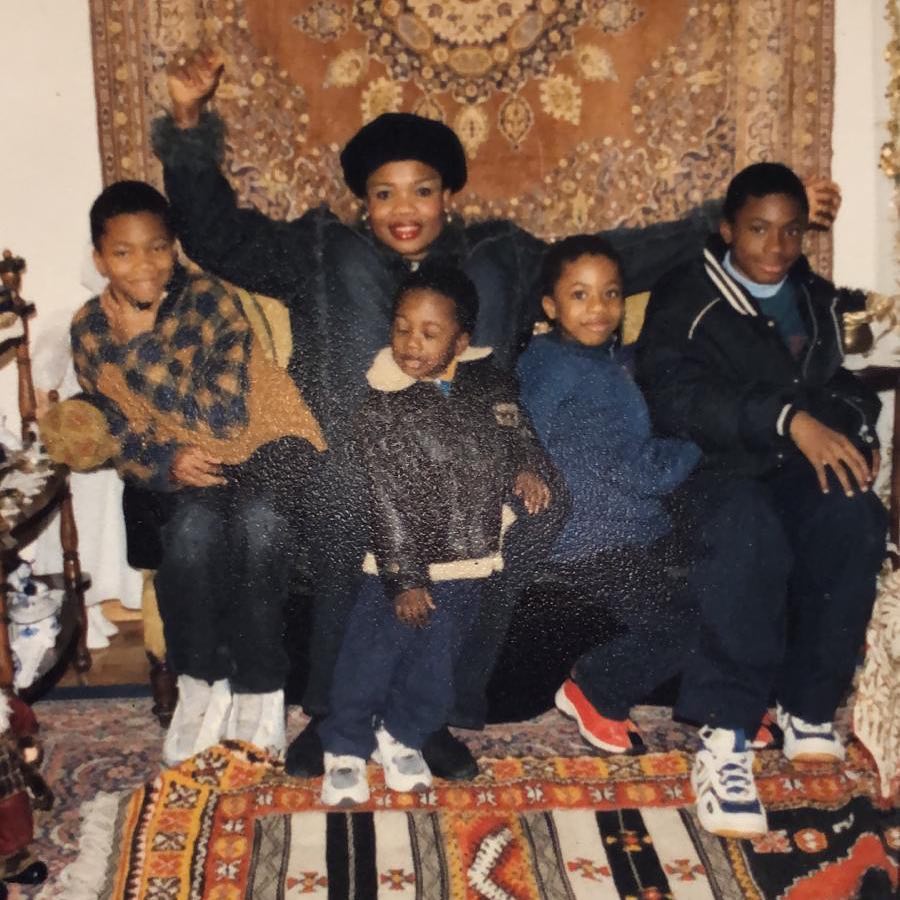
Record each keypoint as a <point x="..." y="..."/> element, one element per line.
<point x="714" y="369"/>
<point x="439" y="468"/>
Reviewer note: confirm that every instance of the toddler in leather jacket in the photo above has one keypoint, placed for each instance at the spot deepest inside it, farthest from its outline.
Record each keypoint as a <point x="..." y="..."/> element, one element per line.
<point x="444" y="442"/>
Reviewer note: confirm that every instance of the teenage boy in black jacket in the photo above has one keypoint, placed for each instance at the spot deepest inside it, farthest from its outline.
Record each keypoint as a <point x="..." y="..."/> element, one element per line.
<point x="741" y="353"/>
<point x="444" y="443"/>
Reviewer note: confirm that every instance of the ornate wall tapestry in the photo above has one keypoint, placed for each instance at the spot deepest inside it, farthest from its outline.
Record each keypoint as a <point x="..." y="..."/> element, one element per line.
<point x="575" y="114"/>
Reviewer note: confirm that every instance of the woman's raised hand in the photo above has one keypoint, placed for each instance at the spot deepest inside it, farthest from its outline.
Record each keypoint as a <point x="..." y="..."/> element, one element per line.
<point x="192" y="80"/>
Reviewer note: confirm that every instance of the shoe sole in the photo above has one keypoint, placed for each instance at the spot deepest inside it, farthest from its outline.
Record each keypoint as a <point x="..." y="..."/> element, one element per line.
<point x="735" y="833"/>
<point x="418" y="787"/>
<point x="343" y="802"/>
<point x="567" y="708"/>
<point x="808" y="758"/>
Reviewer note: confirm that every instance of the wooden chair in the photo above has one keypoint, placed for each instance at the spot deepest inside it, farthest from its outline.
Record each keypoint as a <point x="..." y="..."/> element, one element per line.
<point x="17" y="531"/>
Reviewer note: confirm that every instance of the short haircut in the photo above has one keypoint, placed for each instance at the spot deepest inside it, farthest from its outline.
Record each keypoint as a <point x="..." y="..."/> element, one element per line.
<point x="448" y="281"/>
<point x="124" y="198"/>
<point x="557" y="256"/>
<point x="761" y="180"/>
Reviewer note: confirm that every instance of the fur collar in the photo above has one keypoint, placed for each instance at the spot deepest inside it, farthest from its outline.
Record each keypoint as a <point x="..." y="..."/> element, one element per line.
<point x="385" y="375"/>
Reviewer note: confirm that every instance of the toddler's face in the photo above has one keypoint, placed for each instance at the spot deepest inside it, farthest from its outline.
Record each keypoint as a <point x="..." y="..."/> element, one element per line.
<point x="425" y="336"/>
<point x="587" y="302"/>
<point x="137" y="255"/>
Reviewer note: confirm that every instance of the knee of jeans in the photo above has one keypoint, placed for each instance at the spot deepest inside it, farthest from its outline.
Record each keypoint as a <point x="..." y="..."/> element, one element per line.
<point x="191" y="531"/>
<point x="262" y="524"/>
<point x="861" y="519"/>
<point x="748" y="519"/>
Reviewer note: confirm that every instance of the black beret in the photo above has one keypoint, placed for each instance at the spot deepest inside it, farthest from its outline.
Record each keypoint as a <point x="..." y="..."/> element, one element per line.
<point x="395" y="136"/>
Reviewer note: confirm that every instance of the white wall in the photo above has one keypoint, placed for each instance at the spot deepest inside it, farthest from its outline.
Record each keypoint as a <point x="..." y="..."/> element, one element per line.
<point x="864" y="233"/>
<point x="50" y="165"/>
<point x="49" y="158"/>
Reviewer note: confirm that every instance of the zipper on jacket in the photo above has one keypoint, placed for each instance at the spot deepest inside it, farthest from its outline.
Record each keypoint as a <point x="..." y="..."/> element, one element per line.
<point x="815" y="332"/>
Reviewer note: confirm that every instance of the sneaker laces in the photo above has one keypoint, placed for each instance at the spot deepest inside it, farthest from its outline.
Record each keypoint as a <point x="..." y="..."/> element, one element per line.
<point x="736" y="778"/>
<point x="343" y="771"/>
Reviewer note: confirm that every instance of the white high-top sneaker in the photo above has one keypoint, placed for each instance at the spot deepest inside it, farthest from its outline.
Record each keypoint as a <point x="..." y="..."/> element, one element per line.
<point x="258" y="719"/>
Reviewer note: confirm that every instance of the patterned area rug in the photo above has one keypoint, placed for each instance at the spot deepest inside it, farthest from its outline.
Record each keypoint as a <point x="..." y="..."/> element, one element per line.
<point x="822" y="822"/>
<point x="229" y="824"/>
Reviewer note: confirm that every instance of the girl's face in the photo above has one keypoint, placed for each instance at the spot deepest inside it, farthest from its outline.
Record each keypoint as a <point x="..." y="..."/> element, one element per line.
<point x="425" y="336"/>
<point x="587" y="302"/>
<point x="406" y="203"/>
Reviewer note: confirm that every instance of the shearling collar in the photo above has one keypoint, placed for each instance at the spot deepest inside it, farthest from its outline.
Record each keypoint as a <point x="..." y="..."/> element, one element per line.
<point x="385" y="375"/>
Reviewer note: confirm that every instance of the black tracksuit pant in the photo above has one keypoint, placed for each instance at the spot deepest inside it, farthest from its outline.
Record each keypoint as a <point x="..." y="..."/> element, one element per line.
<point x="785" y="587"/>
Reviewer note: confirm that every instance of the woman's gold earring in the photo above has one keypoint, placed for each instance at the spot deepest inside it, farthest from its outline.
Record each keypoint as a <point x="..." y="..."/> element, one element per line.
<point x="448" y="216"/>
<point x="364" y="217"/>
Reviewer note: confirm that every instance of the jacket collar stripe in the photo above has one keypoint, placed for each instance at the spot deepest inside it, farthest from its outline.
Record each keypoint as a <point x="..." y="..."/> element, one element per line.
<point x="837" y="328"/>
<point x="723" y="281"/>
<point x="701" y="314"/>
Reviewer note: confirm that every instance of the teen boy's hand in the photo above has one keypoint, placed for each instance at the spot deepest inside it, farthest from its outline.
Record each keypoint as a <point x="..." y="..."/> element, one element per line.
<point x="533" y="491"/>
<point x="413" y="607"/>
<point x="126" y="321"/>
<point x="193" y="467"/>
<point x="826" y="448"/>
<point x="192" y="80"/>
<point x="824" y="196"/>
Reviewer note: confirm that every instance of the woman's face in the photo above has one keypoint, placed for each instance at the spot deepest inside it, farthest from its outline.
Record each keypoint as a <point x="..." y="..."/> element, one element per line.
<point x="406" y="203"/>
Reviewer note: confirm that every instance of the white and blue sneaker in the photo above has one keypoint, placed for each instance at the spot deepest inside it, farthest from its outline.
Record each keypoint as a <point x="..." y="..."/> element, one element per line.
<point x="722" y="778"/>
<point x="345" y="782"/>
<point x="405" y="769"/>
<point x="809" y="742"/>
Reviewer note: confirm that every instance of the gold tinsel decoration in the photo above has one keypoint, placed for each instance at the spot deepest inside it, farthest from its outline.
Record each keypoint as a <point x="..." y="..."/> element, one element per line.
<point x="890" y="152"/>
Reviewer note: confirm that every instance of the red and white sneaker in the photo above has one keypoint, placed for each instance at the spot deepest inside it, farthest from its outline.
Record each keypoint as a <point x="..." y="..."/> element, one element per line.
<point x="614" y="735"/>
<point x="769" y="735"/>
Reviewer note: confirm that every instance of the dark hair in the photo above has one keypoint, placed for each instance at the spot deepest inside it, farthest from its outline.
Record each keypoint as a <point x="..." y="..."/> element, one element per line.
<point x="124" y="197"/>
<point x="557" y="256"/>
<point x="761" y="180"/>
<point x="448" y="281"/>
<point x="397" y="136"/>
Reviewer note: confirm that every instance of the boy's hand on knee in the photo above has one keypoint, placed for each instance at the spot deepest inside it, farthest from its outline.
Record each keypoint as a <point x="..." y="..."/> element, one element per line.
<point x="413" y="607"/>
<point x="192" y="80"/>
<point x="826" y="448"/>
<point x="193" y="467"/>
<point x="533" y="491"/>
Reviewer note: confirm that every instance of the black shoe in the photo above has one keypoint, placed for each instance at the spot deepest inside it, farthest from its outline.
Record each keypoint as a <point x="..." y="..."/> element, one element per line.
<point x="448" y="757"/>
<point x="305" y="757"/>
<point x="33" y="874"/>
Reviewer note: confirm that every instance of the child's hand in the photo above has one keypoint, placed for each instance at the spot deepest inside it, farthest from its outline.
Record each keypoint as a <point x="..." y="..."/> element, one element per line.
<point x="532" y="490"/>
<point x="193" y="467"/>
<point x="826" y="448"/>
<point x="413" y="607"/>
<point x="125" y="320"/>
<point x="824" y="196"/>
<point x="192" y="80"/>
